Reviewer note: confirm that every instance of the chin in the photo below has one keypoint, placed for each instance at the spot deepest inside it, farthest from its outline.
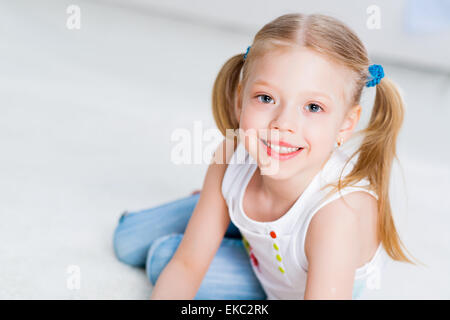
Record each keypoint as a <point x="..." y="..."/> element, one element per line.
<point x="278" y="172"/>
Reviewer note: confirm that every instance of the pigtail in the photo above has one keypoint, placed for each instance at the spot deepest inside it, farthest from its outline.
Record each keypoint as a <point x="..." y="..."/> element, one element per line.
<point x="224" y="94"/>
<point x="375" y="157"/>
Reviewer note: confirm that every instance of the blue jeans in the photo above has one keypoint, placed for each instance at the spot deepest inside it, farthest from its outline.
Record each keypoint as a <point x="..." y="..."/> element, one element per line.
<point x="149" y="238"/>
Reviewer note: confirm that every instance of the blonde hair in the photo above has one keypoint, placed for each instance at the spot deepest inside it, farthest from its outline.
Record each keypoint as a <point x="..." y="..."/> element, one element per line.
<point x="331" y="38"/>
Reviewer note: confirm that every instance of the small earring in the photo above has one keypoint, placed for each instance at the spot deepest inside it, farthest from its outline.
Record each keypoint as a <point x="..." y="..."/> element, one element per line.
<point x="340" y="142"/>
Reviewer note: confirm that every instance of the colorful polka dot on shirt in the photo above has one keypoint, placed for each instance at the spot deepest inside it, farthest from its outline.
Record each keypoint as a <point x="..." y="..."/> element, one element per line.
<point x="273" y="235"/>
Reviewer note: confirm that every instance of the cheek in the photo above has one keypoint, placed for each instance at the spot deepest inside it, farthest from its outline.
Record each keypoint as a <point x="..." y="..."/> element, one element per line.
<point x="319" y="136"/>
<point x="252" y="119"/>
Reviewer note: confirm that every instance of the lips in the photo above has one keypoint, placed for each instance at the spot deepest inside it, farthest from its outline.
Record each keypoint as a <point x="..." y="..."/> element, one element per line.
<point x="282" y="144"/>
<point x="274" y="152"/>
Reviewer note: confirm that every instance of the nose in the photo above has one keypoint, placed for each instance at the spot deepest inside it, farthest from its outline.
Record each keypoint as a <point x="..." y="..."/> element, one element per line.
<point x="285" y="120"/>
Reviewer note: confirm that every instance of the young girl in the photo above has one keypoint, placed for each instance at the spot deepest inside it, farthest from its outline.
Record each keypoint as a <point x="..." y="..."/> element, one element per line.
<point x="303" y="221"/>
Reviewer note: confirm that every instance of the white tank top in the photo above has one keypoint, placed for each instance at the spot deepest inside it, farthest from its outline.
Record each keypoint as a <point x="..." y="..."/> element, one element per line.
<point x="276" y="248"/>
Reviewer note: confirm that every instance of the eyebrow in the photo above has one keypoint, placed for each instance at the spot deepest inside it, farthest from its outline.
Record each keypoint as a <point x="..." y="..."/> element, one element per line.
<point x="312" y="92"/>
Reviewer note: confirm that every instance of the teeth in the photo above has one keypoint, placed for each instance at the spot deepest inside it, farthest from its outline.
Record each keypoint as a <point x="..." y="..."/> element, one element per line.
<point x="282" y="150"/>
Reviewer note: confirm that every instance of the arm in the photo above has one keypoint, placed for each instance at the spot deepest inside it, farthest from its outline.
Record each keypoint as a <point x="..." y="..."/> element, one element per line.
<point x="182" y="276"/>
<point x="332" y="247"/>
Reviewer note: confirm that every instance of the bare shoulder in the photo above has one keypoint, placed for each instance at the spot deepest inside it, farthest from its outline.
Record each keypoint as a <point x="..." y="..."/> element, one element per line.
<point x="224" y="152"/>
<point x="220" y="160"/>
<point x="346" y="225"/>
<point x="336" y="245"/>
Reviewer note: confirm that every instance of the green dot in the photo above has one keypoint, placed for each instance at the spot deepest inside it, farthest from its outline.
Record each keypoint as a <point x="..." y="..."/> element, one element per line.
<point x="278" y="257"/>
<point x="275" y="246"/>
<point x="281" y="269"/>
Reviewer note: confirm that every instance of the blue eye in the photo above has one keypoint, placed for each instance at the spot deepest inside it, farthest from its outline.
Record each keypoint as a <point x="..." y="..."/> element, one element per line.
<point x="262" y="95"/>
<point x="316" y="107"/>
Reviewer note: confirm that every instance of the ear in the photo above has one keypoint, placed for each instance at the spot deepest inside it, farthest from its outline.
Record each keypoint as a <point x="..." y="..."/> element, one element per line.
<point x="350" y="121"/>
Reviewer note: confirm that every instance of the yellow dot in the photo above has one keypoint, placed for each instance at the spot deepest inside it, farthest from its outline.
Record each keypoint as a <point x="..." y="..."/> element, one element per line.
<point x="275" y="246"/>
<point x="246" y="244"/>
<point x="281" y="269"/>
<point x="278" y="257"/>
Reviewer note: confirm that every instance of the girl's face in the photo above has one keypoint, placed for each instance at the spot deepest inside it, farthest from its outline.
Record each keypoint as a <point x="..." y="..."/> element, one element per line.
<point x="296" y="96"/>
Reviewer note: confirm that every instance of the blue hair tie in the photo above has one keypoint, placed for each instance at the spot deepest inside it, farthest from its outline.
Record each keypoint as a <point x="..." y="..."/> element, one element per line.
<point x="245" y="55"/>
<point x="377" y="73"/>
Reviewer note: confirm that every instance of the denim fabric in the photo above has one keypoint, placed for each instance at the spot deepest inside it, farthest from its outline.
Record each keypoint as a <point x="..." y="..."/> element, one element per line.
<point x="149" y="238"/>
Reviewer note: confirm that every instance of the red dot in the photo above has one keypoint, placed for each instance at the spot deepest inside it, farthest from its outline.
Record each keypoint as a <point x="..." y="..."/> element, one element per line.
<point x="273" y="234"/>
<point x="253" y="258"/>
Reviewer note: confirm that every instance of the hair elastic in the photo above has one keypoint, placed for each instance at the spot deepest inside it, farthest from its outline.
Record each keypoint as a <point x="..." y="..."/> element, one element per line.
<point x="248" y="49"/>
<point x="377" y="73"/>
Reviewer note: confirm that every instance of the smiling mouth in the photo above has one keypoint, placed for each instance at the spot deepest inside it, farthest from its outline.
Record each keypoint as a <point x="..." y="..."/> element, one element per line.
<point x="280" y="149"/>
<point x="281" y="153"/>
